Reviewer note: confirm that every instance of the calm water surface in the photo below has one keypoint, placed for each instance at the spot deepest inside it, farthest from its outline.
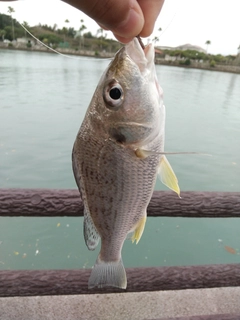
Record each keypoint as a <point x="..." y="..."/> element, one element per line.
<point x="43" y="99"/>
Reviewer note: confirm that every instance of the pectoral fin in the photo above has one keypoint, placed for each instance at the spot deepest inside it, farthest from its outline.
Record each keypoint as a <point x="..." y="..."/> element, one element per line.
<point x="168" y="176"/>
<point x="165" y="170"/>
<point x="139" y="229"/>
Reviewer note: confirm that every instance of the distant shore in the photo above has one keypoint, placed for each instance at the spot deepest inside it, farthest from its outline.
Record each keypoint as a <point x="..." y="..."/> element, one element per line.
<point x="103" y="54"/>
<point x="201" y="66"/>
<point x="64" y="51"/>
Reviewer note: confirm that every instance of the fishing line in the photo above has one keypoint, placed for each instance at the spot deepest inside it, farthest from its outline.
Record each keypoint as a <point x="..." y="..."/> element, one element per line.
<point x="170" y="22"/>
<point x="59" y="53"/>
<point x="173" y="17"/>
<point x="81" y="58"/>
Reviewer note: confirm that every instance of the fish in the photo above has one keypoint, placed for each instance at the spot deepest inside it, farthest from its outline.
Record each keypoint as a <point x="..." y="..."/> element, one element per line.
<point x="116" y="157"/>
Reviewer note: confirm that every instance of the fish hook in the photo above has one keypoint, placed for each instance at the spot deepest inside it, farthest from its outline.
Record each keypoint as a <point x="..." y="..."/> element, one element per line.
<point x="140" y="42"/>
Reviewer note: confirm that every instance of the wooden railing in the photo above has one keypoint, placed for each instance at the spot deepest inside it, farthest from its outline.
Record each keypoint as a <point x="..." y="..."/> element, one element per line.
<point x="43" y="203"/>
<point x="59" y="203"/>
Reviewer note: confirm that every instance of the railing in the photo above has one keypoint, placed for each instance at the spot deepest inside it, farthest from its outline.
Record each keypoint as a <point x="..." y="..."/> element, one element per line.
<point x="59" y="203"/>
<point x="44" y="202"/>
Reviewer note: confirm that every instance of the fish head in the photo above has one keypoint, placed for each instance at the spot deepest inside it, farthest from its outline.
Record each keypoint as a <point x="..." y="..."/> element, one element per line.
<point x="130" y="104"/>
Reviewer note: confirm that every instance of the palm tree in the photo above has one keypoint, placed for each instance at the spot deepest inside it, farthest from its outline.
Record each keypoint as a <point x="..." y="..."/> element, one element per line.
<point x="26" y="25"/>
<point x="208" y="42"/>
<point x="11" y="10"/>
<point x="65" y="29"/>
<point x="155" y="40"/>
<point x="54" y="27"/>
<point x="82" y="28"/>
<point x="100" y="30"/>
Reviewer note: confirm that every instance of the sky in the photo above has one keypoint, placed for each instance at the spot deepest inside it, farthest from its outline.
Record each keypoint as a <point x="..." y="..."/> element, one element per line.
<point x="181" y="21"/>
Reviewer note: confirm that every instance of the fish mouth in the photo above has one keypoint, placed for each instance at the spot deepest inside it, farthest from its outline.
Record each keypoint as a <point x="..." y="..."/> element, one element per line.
<point x="143" y="58"/>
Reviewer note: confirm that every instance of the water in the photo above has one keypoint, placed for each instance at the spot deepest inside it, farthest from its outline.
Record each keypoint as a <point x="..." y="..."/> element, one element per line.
<point x="43" y="98"/>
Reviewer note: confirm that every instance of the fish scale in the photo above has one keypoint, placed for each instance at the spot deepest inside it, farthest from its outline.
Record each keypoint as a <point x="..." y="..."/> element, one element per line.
<point x="127" y="199"/>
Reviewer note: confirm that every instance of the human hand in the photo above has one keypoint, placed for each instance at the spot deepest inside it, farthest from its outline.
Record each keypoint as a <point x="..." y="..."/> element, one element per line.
<point x="125" y="18"/>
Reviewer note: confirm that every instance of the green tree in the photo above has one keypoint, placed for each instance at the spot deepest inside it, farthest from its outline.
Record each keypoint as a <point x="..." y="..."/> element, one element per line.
<point x="71" y="32"/>
<point x="8" y="33"/>
<point x="208" y="42"/>
<point x="11" y="11"/>
<point x="49" y="38"/>
<point x="88" y="35"/>
<point x="212" y="63"/>
<point x="2" y="34"/>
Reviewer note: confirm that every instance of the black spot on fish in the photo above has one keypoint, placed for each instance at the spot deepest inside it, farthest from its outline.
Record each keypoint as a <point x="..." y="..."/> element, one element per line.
<point x="116" y="135"/>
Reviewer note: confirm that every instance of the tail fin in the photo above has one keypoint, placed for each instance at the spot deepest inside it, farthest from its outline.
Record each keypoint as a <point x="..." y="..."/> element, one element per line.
<point x="108" y="274"/>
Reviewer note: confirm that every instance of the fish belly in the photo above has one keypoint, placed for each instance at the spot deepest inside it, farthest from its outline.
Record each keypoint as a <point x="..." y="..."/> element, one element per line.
<point x="116" y="185"/>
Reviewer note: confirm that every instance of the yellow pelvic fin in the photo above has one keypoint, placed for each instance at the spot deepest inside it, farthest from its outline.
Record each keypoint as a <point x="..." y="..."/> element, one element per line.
<point x="168" y="176"/>
<point x="139" y="230"/>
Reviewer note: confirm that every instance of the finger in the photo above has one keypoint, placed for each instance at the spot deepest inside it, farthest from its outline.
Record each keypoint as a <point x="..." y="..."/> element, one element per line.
<point x="119" y="38"/>
<point x="123" y="17"/>
<point x="151" y="10"/>
<point x="122" y="39"/>
<point x="103" y="27"/>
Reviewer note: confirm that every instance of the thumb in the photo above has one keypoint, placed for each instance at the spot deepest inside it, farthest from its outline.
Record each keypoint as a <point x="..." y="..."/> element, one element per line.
<point x="123" y="17"/>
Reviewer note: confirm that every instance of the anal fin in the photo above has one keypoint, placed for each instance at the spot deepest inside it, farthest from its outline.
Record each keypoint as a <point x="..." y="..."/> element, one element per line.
<point x="139" y="229"/>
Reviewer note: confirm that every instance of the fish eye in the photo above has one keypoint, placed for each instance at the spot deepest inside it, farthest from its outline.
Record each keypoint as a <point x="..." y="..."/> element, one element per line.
<point x="113" y="95"/>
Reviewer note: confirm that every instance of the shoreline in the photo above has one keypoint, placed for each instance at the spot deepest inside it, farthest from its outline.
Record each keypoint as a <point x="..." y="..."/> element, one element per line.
<point x="103" y="55"/>
<point x="201" y="66"/>
<point x="61" y="51"/>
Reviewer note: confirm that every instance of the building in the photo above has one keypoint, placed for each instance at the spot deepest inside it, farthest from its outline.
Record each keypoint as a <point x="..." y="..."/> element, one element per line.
<point x="189" y="46"/>
<point x="186" y="46"/>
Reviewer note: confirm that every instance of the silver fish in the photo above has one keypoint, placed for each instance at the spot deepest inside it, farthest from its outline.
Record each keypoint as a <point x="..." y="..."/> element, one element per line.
<point x="117" y="154"/>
